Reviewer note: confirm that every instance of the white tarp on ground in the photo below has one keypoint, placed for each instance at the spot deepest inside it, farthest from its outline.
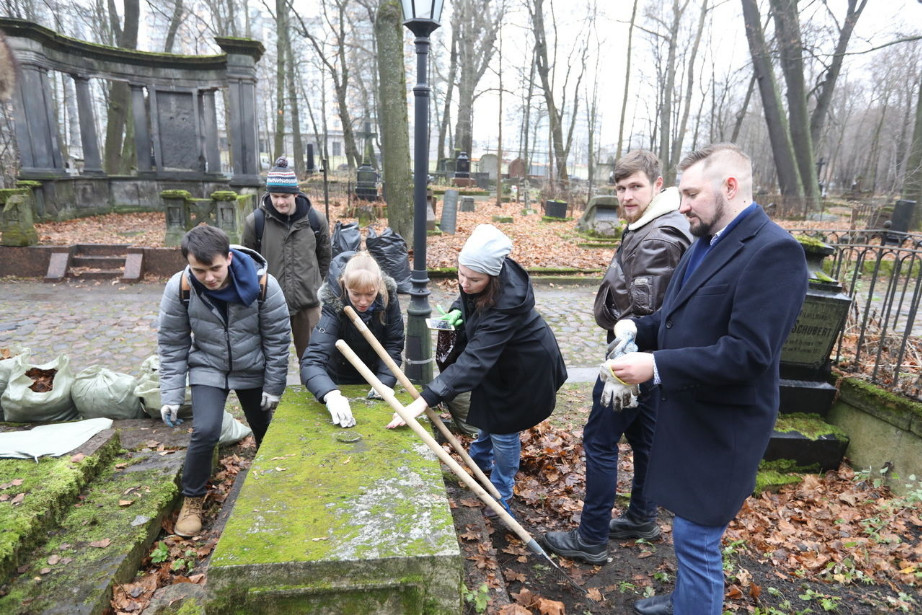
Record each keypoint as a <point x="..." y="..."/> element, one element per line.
<point x="52" y="440"/>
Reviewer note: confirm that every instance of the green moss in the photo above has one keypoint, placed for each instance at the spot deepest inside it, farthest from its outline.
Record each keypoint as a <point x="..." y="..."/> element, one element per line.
<point x="6" y="193"/>
<point x="811" y="426"/>
<point x="191" y="607"/>
<point x="224" y="195"/>
<point x="553" y="219"/>
<point x="772" y="480"/>
<point x="869" y="395"/>
<point x="502" y="219"/>
<point x="311" y="497"/>
<point x="812" y="244"/>
<point x="175" y="194"/>
<point x="28" y="183"/>
<point x="84" y="572"/>
<point x="51" y="487"/>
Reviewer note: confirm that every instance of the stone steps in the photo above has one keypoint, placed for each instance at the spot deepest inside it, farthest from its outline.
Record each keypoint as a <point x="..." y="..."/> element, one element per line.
<point x="96" y="262"/>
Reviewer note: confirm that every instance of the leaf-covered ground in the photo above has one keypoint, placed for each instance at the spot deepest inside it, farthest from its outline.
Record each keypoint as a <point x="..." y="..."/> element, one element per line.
<point x="536" y="244"/>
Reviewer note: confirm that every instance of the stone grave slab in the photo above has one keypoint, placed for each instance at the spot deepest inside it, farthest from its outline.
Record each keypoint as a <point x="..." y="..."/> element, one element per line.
<point x="339" y="521"/>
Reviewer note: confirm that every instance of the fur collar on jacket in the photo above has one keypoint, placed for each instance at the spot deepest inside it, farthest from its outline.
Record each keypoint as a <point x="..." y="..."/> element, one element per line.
<point x="663" y="203"/>
<point x="331" y="293"/>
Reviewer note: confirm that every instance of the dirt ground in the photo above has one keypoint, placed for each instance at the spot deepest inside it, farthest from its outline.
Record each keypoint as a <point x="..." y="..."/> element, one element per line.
<point x="869" y="562"/>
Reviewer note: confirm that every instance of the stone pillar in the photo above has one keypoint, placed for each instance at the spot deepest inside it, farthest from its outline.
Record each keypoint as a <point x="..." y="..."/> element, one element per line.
<point x="178" y="219"/>
<point x="92" y="163"/>
<point x="225" y="202"/>
<point x="210" y="129"/>
<point x="16" y="223"/>
<point x="36" y="132"/>
<point x="242" y="56"/>
<point x="142" y="141"/>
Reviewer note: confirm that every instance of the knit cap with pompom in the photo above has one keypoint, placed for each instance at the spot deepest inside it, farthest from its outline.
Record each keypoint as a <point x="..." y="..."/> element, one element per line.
<point x="282" y="179"/>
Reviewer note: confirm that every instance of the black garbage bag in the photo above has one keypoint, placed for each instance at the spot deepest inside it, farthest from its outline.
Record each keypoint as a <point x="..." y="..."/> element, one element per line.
<point x="390" y="250"/>
<point x="346" y="237"/>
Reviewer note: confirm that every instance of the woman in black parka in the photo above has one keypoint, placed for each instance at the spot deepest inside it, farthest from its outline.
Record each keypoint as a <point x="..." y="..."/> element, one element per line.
<point x="356" y="280"/>
<point x="510" y="361"/>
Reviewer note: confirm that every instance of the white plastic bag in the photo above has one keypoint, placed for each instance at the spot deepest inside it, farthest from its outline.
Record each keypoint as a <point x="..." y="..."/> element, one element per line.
<point x="6" y="366"/>
<point x="148" y="390"/>
<point x="23" y="405"/>
<point x="99" y="392"/>
<point x="232" y="430"/>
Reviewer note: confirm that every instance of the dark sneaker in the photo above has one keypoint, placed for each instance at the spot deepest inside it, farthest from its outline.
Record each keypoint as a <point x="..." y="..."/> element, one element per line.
<point x="489" y="513"/>
<point x="625" y="527"/>
<point x="569" y="544"/>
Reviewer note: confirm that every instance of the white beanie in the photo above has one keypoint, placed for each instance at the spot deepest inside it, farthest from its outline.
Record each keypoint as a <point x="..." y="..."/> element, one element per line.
<point x="485" y="250"/>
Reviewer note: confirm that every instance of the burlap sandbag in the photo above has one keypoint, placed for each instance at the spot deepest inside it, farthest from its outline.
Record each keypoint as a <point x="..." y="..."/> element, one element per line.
<point x="99" y="392"/>
<point x="23" y="405"/>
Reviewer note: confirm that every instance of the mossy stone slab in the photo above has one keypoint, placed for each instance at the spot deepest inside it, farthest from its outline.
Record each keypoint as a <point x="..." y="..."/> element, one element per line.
<point x="333" y="520"/>
<point x="99" y="542"/>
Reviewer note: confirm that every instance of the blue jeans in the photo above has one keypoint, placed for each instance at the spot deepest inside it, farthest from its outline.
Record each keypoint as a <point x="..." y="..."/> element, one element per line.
<point x="207" y="418"/>
<point x="601" y="434"/>
<point x="498" y="454"/>
<point x="699" y="587"/>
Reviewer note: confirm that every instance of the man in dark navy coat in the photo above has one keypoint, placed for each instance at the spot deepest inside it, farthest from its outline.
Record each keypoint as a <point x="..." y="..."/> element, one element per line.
<point x="716" y="345"/>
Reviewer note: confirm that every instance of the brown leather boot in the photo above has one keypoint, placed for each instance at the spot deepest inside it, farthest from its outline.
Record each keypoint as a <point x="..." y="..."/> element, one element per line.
<point x="189" y="522"/>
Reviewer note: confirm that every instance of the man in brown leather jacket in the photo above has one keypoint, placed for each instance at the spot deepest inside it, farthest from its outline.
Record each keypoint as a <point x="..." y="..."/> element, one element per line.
<point x="654" y="241"/>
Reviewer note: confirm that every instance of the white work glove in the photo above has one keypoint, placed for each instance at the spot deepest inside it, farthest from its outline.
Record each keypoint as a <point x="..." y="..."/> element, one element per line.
<point x="373" y="394"/>
<point x="616" y="393"/>
<point x="269" y="402"/>
<point x="339" y="409"/>
<point x="625" y="333"/>
<point x="169" y="413"/>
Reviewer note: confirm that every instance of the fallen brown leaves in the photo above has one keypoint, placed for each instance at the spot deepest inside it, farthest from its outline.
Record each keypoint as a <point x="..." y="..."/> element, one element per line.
<point x="835" y="527"/>
<point x="536" y="244"/>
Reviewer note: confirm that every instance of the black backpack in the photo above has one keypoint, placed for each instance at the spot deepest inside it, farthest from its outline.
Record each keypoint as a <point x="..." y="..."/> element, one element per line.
<point x="259" y="218"/>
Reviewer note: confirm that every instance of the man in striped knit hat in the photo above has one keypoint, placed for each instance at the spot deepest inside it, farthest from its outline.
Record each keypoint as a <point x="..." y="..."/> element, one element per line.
<point x="295" y="240"/>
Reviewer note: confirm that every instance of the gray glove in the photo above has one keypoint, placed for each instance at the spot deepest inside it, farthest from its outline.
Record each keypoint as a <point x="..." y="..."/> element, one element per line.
<point x="169" y="413"/>
<point x="339" y="409"/>
<point x="269" y="402"/>
<point x="625" y="333"/>
<point x="373" y="394"/>
<point x="615" y="393"/>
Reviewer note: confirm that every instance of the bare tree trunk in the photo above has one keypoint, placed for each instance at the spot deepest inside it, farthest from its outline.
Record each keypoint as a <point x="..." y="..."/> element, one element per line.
<point x="912" y="185"/>
<point x="444" y="125"/>
<point x="669" y="173"/>
<point x="478" y="25"/>
<point x="778" y="134"/>
<point x="337" y="66"/>
<point x="787" y="35"/>
<point x="175" y="20"/>
<point x="627" y="79"/>
<point x="395" y="131"/>
<point x="119" y="106"/>
<point x="281" y="10"/>
<point x="827" y="85"/>
<point x="741" y="114"/>
<point x="499" y="133"/>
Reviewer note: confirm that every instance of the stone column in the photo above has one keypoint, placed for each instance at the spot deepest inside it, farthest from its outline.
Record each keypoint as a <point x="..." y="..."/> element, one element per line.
<point x="142" y="143"/>
<point x="92" y="163"/>
<point x="242" y="56"/>
<point x="210" y="128"/>
<point x="36" y="131"/>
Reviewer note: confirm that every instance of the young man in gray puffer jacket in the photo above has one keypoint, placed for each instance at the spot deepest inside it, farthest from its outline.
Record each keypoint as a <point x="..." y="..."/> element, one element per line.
<point x="223" y="329"/>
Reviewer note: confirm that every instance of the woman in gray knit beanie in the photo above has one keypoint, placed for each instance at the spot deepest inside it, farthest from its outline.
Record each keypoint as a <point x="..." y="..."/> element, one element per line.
<point x="510" y="362"/>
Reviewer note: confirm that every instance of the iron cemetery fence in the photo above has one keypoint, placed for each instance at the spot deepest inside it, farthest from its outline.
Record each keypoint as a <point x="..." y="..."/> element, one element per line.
<point x="882" y="272"/>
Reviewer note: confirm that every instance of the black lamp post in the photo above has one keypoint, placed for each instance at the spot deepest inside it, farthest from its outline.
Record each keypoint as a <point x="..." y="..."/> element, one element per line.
<point x="421" y="17"/>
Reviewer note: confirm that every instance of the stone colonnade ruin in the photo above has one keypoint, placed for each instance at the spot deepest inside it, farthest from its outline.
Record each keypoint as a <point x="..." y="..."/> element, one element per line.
<point x="173" y="119"/>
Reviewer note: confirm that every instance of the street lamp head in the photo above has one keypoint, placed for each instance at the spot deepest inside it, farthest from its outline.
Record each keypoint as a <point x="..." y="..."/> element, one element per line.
<point x="422" y="9"/>
<point x="422" y="16"/>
